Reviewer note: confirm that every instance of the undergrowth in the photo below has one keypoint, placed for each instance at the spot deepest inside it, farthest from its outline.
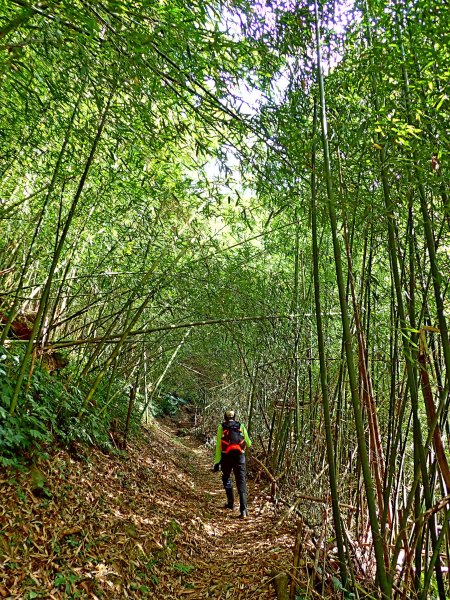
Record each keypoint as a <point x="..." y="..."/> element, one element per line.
<point x="169" y="404"/>
<point x="49" y="410"/>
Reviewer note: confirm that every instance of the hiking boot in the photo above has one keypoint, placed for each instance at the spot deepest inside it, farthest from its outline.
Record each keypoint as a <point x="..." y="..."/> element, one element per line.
<point x="230" y="498"/>
<point x="243" y="505"/>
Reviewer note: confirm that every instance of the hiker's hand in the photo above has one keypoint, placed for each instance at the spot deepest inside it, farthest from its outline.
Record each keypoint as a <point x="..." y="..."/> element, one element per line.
<point x="216" y="467"/>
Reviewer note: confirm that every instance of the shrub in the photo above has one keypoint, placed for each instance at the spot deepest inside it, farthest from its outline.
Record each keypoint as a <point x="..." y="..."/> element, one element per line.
<point x="48" y="410"/>
<point x="169" y="404"/>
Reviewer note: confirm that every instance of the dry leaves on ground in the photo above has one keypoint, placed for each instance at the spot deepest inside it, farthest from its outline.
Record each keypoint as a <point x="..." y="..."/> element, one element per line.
<point x="147" y="523"/>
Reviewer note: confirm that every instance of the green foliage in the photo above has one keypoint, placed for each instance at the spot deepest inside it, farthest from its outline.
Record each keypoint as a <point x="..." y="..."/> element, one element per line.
<point x="169" y="536"/>
<point x="31" y="427"/>
<point x="66" y="581"/>
<point x="49" y="410"/>
<point x="185" y="569"/>
<point x="196" y="205"/>
<point x="169" y="404"/>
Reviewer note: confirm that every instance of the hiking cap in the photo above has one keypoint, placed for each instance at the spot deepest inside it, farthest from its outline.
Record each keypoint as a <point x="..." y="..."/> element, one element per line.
<point x="229" y="414"/>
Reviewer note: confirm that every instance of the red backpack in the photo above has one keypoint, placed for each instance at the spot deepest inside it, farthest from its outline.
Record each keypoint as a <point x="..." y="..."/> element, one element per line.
<point x="232" y="438"/>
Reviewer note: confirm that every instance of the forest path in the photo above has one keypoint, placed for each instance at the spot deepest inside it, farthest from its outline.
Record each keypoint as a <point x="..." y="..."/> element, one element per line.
<point x="233" y="558"/>
<point x="146" y="523"/>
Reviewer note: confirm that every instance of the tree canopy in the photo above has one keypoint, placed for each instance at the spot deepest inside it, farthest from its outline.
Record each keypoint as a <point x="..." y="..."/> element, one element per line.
<point x="239" y="202"/>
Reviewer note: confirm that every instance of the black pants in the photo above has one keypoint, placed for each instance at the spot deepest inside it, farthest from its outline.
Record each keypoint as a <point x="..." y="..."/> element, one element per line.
<point x="234" y="462"/>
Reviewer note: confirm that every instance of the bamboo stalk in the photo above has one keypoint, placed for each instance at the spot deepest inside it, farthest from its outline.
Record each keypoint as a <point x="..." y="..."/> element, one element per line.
<point x="323" y="368"/>
<point x="56" y="255"/>
<point x="383" y="582"/>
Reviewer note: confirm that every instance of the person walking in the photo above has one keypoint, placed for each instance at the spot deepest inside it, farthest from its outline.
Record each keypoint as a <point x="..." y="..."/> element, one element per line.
<point x="231" y="441"/>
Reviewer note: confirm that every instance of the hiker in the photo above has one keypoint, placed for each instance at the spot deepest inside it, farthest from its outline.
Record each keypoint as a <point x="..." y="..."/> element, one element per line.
<point x="231" y="441"/>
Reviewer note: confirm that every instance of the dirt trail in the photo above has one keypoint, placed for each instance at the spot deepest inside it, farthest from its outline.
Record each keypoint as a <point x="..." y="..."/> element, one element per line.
<point x="234" y="558"/>
<point x="148" y="523"/>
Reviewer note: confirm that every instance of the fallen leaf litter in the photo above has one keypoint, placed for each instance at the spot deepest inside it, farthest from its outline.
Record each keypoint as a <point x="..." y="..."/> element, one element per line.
<point x="146" y="524"/>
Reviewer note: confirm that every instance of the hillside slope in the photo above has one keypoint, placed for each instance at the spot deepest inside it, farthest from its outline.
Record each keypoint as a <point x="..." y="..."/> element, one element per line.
<point x="148" y="523"/>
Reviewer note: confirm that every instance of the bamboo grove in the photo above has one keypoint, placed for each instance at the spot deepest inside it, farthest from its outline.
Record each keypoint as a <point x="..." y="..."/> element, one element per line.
<point x="246" y="203"/>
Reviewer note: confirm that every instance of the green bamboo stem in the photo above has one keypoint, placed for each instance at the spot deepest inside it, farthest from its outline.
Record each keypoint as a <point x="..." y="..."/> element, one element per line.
<point x="383" y="582"/>
<point x="46" y="291"/>
<point x="16" y="303"/>
<point x="437" y="278"/>
<point x="323" y="369"/>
